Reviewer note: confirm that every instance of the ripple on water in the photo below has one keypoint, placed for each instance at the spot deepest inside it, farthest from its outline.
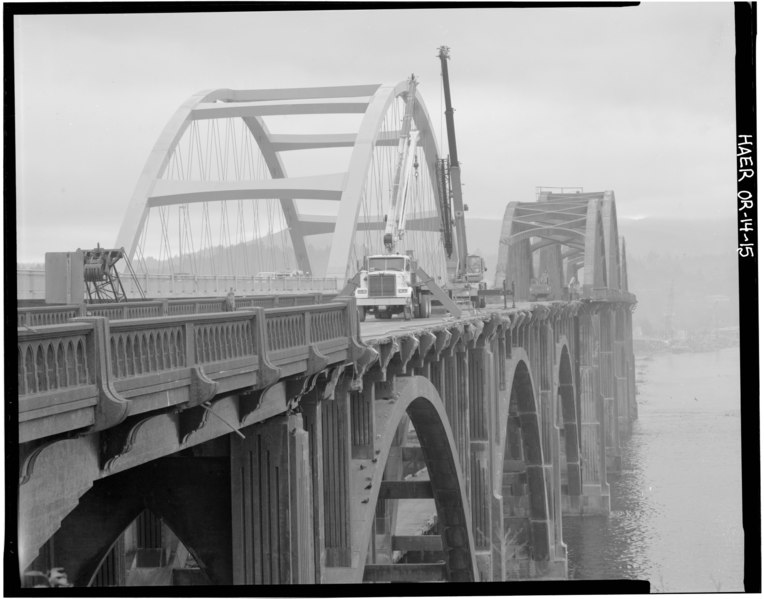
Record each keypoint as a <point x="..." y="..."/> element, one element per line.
<point x="677" y="503"/>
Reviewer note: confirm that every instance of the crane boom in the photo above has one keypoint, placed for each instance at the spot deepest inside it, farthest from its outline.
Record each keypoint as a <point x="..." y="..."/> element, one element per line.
<point x="454" y="171"/>
<point x="395" y="219"/>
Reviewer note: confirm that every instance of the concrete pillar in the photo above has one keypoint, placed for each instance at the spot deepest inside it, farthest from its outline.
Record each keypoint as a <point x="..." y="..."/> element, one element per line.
<point x="362" y="422"/>
<point x="630" y="368"/>
<point x="457" y="386"/>
<point x="336" y="474"/>
<point x="272" y="499"/>
<point x="621" y="375"/>
<point x="312" y="419"/>
<point x="607" y="387"/>
<point x="479" y="370"/>
<point x="595" y="491"/>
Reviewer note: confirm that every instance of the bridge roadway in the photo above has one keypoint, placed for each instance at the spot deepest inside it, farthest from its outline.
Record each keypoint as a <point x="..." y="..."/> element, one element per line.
<point x="516" y="416"/>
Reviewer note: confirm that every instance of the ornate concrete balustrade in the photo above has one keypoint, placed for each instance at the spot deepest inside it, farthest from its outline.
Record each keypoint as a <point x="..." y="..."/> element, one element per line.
<point x="92" y="372"/>
<point x="46" y="315"/>
<point x="57" y="379"/>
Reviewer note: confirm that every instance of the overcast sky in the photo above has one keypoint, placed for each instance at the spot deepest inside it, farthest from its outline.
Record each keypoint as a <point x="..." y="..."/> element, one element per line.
<point x="638" y="100"/>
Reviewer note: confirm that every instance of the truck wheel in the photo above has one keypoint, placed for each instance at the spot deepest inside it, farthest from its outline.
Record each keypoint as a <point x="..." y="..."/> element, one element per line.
<point x="362" y="314"/>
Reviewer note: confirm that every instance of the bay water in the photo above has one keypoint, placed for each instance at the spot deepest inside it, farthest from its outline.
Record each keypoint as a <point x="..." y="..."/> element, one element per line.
<point x="676" y="515"/>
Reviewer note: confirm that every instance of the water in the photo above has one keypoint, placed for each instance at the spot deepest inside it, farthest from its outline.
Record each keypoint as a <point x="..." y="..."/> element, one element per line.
<point x="677" y="506"/>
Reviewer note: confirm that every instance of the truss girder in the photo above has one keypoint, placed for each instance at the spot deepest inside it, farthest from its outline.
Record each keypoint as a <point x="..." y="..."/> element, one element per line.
<point x="580" y="229"/>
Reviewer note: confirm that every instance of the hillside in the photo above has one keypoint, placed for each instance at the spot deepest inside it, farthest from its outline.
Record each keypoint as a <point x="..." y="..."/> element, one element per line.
<point x="697" y="257"/>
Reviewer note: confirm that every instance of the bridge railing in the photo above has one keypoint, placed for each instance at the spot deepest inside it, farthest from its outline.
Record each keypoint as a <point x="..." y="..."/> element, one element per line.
<point x="45" y="315"/>
<point x="31" y="285"/>
<point x="298" y="327"/>
<point x="58" y="370"/>
<point x="92" y="372"/>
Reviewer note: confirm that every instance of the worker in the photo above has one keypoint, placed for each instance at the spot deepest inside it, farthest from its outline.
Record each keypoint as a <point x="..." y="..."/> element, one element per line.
<point x="573" y="287"/>
<point x="545" y="278"/>
<point x="230" y="301"/>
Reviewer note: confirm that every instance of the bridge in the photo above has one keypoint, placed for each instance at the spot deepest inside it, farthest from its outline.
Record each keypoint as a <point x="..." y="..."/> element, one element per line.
<point x="285" y="441"/>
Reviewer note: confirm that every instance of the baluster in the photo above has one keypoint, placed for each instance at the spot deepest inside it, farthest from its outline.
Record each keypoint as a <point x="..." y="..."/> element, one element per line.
<point x="30" y="367"/>
<point x="22" y="373"/>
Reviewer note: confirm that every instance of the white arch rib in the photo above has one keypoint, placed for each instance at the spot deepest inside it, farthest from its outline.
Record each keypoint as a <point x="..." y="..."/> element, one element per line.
<point x="369" y="135"/>
<point x="321" y="187"/>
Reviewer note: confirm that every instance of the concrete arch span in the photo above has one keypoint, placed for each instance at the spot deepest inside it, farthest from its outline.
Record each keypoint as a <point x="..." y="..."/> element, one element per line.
<point x="193" y="499"/>
<point x="525" y="481"/>
<point x="415" y="399"/>
<point x="569" y="427"/>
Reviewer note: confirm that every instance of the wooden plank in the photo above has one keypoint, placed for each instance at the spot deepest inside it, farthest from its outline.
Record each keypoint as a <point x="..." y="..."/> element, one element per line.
<point x="418" y="543"/>
<point x="405" y="489"/>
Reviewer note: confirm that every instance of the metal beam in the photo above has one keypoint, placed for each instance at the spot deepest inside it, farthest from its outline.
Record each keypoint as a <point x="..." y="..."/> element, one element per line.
<point x="287" y="142"/>
<point x="223" y="110"/>
<point x="297" y="93"/>
<point x="320" y="187"/>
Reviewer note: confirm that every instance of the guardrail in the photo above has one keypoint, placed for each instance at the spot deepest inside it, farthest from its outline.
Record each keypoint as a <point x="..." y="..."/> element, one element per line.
<point x="92" y="372"/>
<point x="46" y="315"/>
<point x="31" y="284"/>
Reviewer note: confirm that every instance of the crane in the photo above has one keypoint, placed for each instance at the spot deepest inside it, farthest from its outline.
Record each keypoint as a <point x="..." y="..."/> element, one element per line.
<point x="395" y="219"/>
<point x="393" y="283"/>
<point x="469" y="267"/>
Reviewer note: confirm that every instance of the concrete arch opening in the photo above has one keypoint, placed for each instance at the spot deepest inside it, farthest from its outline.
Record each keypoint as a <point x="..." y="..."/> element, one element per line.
<point x="191" y="497"/>
<point x="417" y="429"/>
<point x="527" y="526"/>
<point x="570" y="436"/>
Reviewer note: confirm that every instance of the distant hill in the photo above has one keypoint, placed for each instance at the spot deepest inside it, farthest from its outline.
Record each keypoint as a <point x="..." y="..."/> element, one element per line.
<point x="697" y="257"/>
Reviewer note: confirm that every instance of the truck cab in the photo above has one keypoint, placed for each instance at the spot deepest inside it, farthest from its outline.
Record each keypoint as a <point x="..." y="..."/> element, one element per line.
<point x="387" y="285"/>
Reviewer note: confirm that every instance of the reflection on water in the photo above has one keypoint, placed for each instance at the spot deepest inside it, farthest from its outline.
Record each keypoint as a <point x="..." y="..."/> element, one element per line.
<point x="677" y="506"/>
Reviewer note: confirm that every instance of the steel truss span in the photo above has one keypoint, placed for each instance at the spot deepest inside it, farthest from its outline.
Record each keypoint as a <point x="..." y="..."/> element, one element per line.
<point x="247" y="182"/>
<point x="561" y="237"/>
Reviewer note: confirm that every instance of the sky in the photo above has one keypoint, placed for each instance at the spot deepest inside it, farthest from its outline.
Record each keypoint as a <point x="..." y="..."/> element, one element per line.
<point x="639" y="100"/>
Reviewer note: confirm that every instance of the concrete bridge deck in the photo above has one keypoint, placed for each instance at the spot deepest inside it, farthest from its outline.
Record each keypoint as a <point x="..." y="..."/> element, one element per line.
<point x="188" y="380"/>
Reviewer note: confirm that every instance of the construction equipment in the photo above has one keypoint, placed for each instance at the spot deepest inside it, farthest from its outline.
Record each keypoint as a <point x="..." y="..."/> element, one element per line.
<point x="88" y="276"/>
<point x="393" y="283"/>
<point x="469" y="268"/>
<point x="102" y="280"/>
